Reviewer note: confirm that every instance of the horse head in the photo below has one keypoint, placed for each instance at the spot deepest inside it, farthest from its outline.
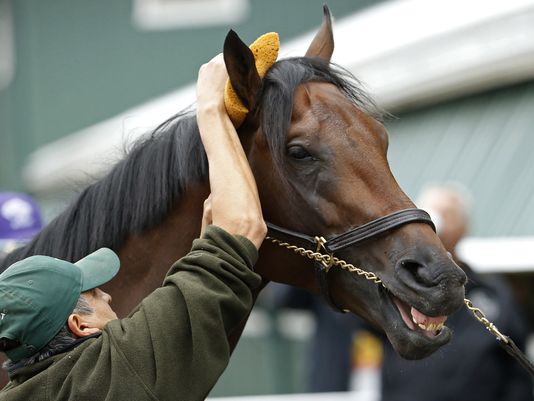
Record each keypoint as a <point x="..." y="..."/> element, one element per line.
<point x="319" y="155"/>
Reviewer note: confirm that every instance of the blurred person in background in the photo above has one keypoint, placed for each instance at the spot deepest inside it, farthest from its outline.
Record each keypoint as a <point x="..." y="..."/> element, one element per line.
<point x="20" y="220"/>
<point x="472" y="366"/>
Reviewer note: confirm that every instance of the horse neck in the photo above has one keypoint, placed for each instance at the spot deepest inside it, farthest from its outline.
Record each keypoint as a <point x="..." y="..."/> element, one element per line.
<point x="147" y="257"/>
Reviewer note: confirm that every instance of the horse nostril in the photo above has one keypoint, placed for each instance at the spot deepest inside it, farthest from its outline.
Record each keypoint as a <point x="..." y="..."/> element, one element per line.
<point x="410" y="264"/>
<point x="416" y="270"/>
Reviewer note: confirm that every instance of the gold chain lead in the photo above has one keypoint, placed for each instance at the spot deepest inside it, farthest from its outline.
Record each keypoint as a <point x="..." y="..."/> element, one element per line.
<point x="327" y="260"/>
<point x="479" y="315"/>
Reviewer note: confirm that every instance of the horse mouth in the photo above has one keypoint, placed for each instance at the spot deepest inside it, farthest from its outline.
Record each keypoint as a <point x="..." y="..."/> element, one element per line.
<point x="413" y="334"/>
<point x="418" y="321"/>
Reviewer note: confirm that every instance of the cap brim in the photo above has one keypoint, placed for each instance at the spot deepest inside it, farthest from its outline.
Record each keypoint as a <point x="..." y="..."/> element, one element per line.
<point x="98" y="268"/>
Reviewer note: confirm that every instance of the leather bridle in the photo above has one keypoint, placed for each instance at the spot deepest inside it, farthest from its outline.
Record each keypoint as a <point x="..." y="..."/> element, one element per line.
<point x="353" y="237"/>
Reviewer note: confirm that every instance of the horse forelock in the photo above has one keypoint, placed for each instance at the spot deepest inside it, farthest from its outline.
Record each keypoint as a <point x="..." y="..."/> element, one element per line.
<point x="279" y="85"/>
<point x="135" y="195"/>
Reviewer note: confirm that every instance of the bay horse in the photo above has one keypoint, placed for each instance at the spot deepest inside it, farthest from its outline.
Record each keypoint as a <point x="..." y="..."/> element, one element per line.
<point x="318" y="153"/>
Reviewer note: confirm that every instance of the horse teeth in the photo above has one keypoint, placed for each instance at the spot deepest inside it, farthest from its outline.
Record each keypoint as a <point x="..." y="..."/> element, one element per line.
<point x="431" y="326"/>
<point x="422" y="321"/>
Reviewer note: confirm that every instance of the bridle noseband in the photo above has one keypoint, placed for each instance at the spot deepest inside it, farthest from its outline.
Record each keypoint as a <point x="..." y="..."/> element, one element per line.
<point x="354" y="237"/>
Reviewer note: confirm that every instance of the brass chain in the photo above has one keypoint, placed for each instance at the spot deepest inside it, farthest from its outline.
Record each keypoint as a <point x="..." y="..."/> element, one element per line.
<point x="329" y="260"/>
<point x="479" y="315"/>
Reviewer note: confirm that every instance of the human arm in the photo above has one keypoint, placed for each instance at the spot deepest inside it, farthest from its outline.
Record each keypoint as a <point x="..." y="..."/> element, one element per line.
<point x="234" y="203"/>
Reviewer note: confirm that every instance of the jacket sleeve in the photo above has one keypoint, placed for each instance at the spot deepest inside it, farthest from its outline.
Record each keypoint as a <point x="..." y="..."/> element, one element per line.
<point x="175" y="342"/>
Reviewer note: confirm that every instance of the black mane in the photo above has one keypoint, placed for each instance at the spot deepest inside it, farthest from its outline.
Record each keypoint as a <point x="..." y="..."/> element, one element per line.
<point x="134" y="196"/>
<point x="142" y="188"/>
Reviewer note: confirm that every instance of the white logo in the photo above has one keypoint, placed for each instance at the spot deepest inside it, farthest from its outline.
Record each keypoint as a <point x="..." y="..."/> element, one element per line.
<point x="18" y="212"/>
<point x="2" y="316"/>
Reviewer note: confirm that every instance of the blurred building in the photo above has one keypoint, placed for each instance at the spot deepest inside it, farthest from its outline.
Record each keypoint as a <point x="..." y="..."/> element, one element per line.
<point x="80" y="79"/>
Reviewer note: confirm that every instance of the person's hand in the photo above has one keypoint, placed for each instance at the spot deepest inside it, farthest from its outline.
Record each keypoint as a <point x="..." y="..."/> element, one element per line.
<point x="211" y="82"/>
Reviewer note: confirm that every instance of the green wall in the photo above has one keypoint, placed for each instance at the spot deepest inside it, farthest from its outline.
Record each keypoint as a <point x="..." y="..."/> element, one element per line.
<point x="485" y="142"/>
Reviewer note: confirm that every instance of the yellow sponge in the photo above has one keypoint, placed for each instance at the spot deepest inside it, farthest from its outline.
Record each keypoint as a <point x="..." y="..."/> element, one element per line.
<point x="265" y="50"/>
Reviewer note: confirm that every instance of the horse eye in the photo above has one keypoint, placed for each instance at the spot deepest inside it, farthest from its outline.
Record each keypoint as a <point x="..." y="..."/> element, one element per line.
<point x="298" y="152"/>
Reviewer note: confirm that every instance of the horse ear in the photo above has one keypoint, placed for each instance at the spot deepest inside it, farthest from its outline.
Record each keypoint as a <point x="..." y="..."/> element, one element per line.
<point x="322" y="45"/>
<point x="242" y="71"/>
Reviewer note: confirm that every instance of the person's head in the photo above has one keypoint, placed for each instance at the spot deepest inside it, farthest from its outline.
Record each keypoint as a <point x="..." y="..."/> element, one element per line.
<point x="44" y="301"/>
<point x="20" y="220"/>
<point x="449" y="205"/>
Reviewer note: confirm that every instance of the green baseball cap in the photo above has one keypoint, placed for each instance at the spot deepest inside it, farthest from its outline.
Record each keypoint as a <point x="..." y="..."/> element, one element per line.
<point x="37" y="295"/>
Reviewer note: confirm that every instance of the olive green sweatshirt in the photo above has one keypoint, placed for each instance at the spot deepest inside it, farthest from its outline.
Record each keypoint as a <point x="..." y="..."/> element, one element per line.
<point x="173" y="346"/>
